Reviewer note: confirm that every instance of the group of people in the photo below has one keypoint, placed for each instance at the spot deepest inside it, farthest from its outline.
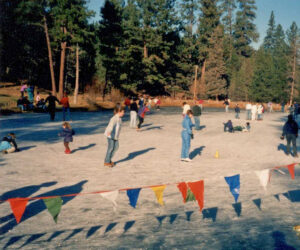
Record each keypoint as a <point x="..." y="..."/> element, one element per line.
<point x="254" y="111"/>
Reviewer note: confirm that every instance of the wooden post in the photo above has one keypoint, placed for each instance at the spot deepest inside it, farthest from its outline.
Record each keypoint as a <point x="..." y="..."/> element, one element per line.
<point x="195" y="81"/>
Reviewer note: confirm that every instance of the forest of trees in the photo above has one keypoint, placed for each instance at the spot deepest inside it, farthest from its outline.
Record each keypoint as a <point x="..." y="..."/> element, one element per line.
<point x="160" y="47"/>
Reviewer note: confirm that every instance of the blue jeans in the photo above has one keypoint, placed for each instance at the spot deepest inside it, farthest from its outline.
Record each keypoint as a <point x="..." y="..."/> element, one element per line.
<point x="113" y="146"/>
<point x="186" y="144"/>
<point x="248" y="114"/>
<point x="64" y="113"/>
<point x="237" y="115"/>
<point x="259" y="116"/>
<point x="197" y="122"/>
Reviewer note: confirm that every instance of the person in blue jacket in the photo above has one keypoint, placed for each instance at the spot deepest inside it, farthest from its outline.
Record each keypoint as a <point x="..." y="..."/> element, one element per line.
<point x="67" y="133"/>
<point x="8" y="144"/>
<point x="290" y="131"/>
<point x="186" y="135"/>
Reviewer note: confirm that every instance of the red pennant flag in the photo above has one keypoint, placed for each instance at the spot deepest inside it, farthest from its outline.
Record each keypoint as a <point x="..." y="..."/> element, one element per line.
<point x="183" y="189"/>
<point x="291" y="169"/>
<point x="198" y="190"/>
<point x="18" y="206"/>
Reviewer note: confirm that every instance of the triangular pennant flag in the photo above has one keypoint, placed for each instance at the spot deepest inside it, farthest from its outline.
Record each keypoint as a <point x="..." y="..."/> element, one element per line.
<point x="133" y="195"/>
<point x="198" y="190"/>
<point x="111" y="196"/>
<point x="190" y="196"/>
<point x="159" y="193"/>
<point x="263" y="176"/>
<point x="18" y="206"/>
<point x="54" y="205"/>
<point x="183" y="189"/>
<point x="234" y="185"/>
<point x="291" y="169"/>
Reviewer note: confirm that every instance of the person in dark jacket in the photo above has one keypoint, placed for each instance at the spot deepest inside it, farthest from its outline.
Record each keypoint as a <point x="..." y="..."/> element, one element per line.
<point x="51" y="107"/>
<point x="228" y="126"/>
<point x="290" y="131"/>
<point x="237" y="111"/>
<point x="67" y="133"/>
<point x="196" y="113"/>
<point x="133" y="112"/>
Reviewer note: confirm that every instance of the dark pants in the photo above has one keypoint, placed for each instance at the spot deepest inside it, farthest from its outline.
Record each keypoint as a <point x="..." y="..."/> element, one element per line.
<point x="291" y="138"/>
<point x="227" y="127"/>
<point x="52" y="114"/>
<point x="141" y="120"/>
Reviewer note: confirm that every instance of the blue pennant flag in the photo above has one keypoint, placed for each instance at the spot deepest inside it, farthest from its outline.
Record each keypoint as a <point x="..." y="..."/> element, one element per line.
<point x="133" y="195"/>
<point x="234" y="185"/>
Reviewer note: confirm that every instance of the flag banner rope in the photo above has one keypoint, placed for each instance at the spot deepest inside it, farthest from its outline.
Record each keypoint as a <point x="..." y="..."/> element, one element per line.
<point x="143" y="187"/>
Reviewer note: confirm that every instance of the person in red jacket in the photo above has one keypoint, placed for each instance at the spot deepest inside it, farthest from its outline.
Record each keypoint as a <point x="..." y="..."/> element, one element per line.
<point x="66" y="106"/>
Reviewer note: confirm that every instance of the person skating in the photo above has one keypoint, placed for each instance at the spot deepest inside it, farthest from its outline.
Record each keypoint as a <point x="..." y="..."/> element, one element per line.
<point x="248" y="111"/>
<point x="186" y="136"/>
<point x="226" y="103"/>
<point x="290" y="131"/>
<point x="133" y="113"/>
<point x="112" y="132"/>
<point x="237" y="111"/>
<point x="197" y="113"/>
<point x="65" y="106"/>
<point x="51" y="106"/>
<point x="141" y="115"/>
<point x="67" y="133"/>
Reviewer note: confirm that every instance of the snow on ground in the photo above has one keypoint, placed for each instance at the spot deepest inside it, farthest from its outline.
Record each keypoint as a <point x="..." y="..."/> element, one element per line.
<point x="260" y="220"/>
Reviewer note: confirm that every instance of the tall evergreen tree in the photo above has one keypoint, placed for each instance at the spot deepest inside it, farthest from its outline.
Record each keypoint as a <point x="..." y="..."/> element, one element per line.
<point x="245" y="29"/>
<point x="269" y="41"/>
<point x="215" y="69"/>
<point x="110" y="37"/>
<point x="209" y="19"/>
<point x="227" y="8"/>
<point x="294" y="45"/>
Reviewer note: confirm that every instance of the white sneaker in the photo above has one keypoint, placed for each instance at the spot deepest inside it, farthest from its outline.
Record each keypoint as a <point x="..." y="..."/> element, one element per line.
<point x="182" y="159"/>
<point x="188" y="159"/>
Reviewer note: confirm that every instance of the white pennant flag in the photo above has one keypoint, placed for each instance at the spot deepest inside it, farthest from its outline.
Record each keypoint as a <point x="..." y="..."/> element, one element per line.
<point x="112" y="196"/>
<point x="263" y="177"/>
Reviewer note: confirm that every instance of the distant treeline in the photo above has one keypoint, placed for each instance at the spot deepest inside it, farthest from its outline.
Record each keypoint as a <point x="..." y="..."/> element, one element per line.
<point x="197" y="47"/>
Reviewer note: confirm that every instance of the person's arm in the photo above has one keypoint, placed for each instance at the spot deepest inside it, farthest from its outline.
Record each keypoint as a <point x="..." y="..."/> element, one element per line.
<point x="110" y="126"/>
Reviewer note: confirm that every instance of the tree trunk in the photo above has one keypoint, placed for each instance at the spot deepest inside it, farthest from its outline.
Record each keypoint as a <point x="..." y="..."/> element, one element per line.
<point x="105" y="85"/>
<point x="195" y="81"/>
<point x="50" y="57"/>
<point x="145" y="50"/>
<point x="202" y="80"/>
<point x="293" y="75"/>
<point x="77" y="75"/>
<point x="62" y="66"/>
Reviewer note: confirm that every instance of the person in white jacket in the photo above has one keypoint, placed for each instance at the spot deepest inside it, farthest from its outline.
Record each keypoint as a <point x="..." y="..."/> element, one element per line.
<point x="253" y="111"/>
<point x="112" y="132"/>
<point x="260" y="110"/>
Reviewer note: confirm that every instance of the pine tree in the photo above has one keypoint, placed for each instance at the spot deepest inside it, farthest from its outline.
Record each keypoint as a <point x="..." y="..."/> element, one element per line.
<point x="269" y="41"/>
<point x="244" y="29"/>
<point x="215" y="65"/>
<point x="227" y="8"/>
<point x="294" y="45"/>
<point x="110" y="36"/>
<point x="209" y="19"/>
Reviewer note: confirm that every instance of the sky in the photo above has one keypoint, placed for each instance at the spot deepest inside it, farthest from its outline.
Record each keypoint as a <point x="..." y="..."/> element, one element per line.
<point x="285" y="11"/>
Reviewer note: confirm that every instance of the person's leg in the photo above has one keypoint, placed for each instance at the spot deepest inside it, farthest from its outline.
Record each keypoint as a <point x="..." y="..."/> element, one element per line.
<point x="11" y="150"/>
<point x="131" y="119"/>
<point x="288" y="143"/>
<point x="197" y="122"/>
<point x="293" y="137"/>
<point x="141" y="120"/>
<point x="110" y="148"/>
<point x="69" y="113"/>
<point x="183" y="146"/>
<point x="225" y="127"/>
<point x="64" y="113"/>
<point x="67" y="149"/>
<point x="52" y="114"/>
<point x="134" y="119"/>
<point x="188" y="145"/>
<point x="115" y="148"/>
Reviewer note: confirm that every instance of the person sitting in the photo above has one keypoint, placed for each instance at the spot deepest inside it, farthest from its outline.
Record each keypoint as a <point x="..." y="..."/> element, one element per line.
<point x="41" y="104"/>
<point x="20" y="104"/>
<point x="247" y="128"/>
<point x="8" y="144"/>
<point x="228" y="126"/>
<point x="27" y="104"/>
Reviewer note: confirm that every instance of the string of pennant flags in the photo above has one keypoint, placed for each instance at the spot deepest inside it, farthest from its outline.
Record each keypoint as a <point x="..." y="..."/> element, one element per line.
<point x="190" y="191"/>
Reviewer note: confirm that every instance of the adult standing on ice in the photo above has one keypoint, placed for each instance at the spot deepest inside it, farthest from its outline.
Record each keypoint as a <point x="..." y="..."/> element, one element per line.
<point x="253" y="111"/>
<point x="290" y="131"/>
<point x="112" y="132"/>
<point x="186" y="136"/>
<point x="51" y="107"/>
<point x="248" y="111"/>
<point x="133" y="113"/>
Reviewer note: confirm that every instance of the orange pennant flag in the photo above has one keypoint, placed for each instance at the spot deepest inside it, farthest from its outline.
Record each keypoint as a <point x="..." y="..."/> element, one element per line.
<point x="18" y="206"/>
<point x="183" y="189"/>
<point x="198" y="190"/>
<point x="291" y="169"/>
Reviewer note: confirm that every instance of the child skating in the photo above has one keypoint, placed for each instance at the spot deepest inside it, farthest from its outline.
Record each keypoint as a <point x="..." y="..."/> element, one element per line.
<point x="67" y="133"/>
<point x="112" y="132"/>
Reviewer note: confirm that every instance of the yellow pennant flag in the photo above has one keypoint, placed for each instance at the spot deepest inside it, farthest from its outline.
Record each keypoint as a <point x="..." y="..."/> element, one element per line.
<point x="159" y="193"/>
